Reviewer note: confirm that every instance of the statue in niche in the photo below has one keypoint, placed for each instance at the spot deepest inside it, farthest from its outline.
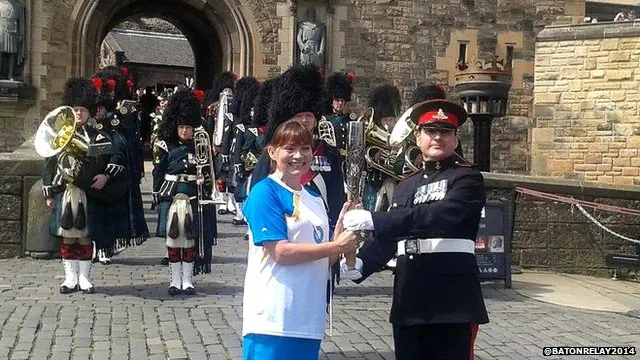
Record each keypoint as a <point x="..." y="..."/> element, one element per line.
<point x="12" y="38"/>
<point x="311" y="40"/>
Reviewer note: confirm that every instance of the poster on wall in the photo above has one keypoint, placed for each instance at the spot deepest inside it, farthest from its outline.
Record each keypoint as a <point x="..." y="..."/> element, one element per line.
<point x="493" y="244"/>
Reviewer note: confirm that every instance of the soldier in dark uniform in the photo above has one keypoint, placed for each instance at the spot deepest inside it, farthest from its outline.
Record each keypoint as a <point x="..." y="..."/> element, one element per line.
<point x="386" y="103"/>
<point x="437" y="302"/>
<point x="245" y="91"/>
<point x="253" y="146"/>
<point x="87" y="205"/>
<point x="338" y="89"/>
<point x="223" y="83"/>
<point x="121" y="119"/>
<point x="175" y="187"/>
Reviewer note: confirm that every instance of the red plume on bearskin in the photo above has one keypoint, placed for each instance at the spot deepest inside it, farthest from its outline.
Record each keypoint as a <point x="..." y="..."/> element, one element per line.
<point x="97" y="83"/>
<point x="199" y="95"/>
<point x="124" y="71"/>
<point x="111" y="83"/>
<point x="235" y="76"/>
<point x="130" y="84"/>
<point x="351" y="77"/>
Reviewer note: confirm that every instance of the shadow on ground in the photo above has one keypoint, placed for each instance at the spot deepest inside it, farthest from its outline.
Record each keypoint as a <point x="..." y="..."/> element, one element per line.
<point x="158" y="291"/>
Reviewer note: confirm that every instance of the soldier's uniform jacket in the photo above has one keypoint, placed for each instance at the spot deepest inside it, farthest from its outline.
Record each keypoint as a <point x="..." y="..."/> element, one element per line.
<point x="252" y="143"/>
<point x="176" y="171"/>
<point x="104" y="156"/>
<point x="442" y="201"/>
<point x="339" y="122"/>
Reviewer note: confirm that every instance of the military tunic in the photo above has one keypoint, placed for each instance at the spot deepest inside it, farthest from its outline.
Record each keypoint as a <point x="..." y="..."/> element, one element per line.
<point x="106" y="212"/>
<point x="449" y="286"/>
<point x="175" y="173"/>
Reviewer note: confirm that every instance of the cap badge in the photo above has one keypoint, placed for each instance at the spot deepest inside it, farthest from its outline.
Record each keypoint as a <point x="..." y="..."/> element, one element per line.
<point x="440" y="115"/>
<point x="123" y="110"/>
<point x="115" y="122"/>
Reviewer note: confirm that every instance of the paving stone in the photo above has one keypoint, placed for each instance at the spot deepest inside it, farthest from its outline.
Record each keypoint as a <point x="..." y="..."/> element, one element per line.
<point x="132" y="316"/>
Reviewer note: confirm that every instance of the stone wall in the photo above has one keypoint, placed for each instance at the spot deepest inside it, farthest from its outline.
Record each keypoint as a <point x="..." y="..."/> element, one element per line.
<point x="411" y="42"/>
<point x="19" y="172"/>
<point x="552" y="235"/>
<point x="587" y="124"/>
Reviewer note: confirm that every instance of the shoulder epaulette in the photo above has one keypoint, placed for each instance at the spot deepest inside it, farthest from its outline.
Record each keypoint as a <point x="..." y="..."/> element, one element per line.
<point x="162" y="145"/>
<point x="465" y="164"/>
<point x="240" y="127"/>
<point x="254" y="131"/>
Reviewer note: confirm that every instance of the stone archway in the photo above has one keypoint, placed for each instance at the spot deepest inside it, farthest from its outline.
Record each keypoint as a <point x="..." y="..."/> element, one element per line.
<point x="218" y="31"/>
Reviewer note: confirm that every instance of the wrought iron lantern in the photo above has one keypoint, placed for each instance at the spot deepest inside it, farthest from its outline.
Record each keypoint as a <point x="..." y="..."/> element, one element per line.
<point x="483" y="90"/>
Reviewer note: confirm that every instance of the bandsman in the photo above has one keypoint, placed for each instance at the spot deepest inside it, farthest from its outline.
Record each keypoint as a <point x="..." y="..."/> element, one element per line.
<point x="177" y="182"/>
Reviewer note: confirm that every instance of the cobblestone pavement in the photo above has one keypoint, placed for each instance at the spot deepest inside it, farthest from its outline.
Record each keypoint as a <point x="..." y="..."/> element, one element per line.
<point x="132" y="317"/>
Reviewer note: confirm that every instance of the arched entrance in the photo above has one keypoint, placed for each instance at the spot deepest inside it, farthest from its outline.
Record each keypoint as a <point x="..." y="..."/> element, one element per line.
<point x="217" y="31"/>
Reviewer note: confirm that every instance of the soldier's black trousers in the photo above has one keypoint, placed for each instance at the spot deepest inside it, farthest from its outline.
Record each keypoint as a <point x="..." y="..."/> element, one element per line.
<point x="435" y="341"/>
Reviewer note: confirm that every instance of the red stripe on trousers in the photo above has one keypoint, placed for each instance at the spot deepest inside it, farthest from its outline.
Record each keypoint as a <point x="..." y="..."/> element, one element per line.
<point x="474" y="334"/>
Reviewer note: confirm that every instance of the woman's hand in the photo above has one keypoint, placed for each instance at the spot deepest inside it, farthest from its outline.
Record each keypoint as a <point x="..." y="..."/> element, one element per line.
<point x="50" y="203"/>
<point x="347" y="241"/>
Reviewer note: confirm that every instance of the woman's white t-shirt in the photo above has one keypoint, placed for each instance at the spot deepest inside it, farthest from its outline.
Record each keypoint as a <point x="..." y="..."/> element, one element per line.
<point x="284" y="300"/>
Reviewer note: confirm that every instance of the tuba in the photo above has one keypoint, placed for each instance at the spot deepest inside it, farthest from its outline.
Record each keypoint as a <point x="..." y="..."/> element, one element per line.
<point x="249" y="160"/>
<point x="402" y="140"/>
<point x="76" y="163"/>
<point x="379" y="155"/>
<point x="224" y="113"/>
<point x="57" y="135"/>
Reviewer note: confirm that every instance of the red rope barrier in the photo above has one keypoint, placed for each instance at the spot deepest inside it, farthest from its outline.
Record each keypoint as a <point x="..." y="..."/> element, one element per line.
<point x="572" y="201"/>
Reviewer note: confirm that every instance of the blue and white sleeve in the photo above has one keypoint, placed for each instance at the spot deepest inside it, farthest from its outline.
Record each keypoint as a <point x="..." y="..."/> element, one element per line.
<point x="265" y="214"/>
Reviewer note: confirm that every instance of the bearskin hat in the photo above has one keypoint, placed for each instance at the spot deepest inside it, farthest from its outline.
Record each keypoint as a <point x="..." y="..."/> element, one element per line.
<point x="114" y="87"/>
<point x="385" y="101"/>
<point x="427" y="92"/>
<point x="339" y="86"/>
<point x="241" y="86"/>
<point x="299" y="89"/>
<point x="182" y="109"/>
<point x="225" y="80"/>
<point x="80" y="92"/>
<point x="246" y="102"/>
<point x="261" y="102"/>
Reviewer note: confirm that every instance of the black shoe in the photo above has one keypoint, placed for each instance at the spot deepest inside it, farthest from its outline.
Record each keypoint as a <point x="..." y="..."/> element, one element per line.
<point x="90" y="290"/>
<point x="174" y="291"/>
<point x="66" y="290"/>
<point x="239" y="222"/>
<point x="189" y="291"/>
<point x="106" y="262"/>
<point x="246" y="237"/>
<point x="223" y="211"/>
<point x="164" y="261"/>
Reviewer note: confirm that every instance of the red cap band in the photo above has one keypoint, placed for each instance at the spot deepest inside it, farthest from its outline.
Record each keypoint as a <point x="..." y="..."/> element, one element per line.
<point x="438" y="116"/>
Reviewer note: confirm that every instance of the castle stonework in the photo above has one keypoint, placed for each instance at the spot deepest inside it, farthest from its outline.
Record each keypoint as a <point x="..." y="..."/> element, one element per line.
<point x="586" y="119"/>
<point x="397" y="41"/>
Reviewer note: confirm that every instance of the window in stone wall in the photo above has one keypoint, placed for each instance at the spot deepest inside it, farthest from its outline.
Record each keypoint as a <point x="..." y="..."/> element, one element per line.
<point x="509" y="56"/>
<point x="462" y="52"/>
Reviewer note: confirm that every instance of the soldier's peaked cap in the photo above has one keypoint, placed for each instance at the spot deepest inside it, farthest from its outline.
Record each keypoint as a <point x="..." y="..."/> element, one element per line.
<point x="438" y="113"/>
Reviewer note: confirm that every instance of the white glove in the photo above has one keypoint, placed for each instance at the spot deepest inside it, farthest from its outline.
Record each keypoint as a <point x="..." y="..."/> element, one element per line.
<point x="351" y="274"/>
<point x="358" y="220"/>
